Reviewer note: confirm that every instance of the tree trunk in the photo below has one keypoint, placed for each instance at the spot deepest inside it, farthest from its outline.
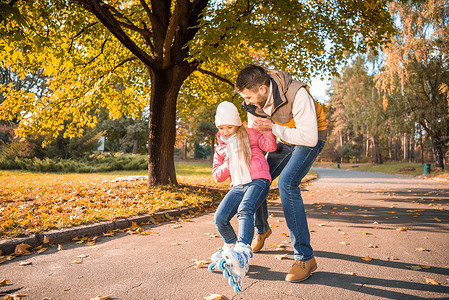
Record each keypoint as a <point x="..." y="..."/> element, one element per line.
<point x="396" y="150"/>
<point x="405" y="151"/>
<point x="165" y="85"/>
<point x="438" y="152"/>
<point x="376" y="151"/>
<point x="412" y="149"/>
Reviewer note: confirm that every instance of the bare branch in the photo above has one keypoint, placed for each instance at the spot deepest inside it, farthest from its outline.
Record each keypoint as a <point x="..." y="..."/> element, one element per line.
<point x="215" y="76"/>
<point x="98" y="8"/>
<point x="78" y="34"/>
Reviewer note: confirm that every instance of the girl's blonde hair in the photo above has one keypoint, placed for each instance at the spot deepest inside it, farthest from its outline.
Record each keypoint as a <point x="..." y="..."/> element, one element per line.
<point x="244" y="145"/>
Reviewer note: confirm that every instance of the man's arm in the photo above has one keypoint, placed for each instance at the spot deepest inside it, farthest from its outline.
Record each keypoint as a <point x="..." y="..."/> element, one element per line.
<point x="305" y="132"/>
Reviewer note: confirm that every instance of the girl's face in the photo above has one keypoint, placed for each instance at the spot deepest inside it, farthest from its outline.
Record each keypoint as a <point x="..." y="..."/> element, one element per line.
<point x="227" y="130"/>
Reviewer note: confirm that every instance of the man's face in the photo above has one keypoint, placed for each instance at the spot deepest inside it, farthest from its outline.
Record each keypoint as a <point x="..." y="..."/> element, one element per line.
<point x="256" y="97"/>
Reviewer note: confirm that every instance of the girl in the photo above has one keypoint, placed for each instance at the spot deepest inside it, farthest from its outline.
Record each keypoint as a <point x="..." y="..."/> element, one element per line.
<point x="239" y="156"/>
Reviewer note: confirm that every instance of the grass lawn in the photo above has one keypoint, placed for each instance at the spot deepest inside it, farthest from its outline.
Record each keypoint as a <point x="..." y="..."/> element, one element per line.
<point x="36" y="202"/>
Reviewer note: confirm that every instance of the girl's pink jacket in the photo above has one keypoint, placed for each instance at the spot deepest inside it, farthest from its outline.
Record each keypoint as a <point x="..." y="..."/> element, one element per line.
<point x="259" y="141"/>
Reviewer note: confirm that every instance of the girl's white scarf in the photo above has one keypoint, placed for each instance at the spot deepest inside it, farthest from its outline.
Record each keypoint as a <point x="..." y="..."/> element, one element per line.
<point x="237" y="166"/>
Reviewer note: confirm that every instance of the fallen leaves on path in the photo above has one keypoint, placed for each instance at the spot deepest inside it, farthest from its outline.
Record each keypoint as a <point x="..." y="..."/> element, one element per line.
<point x="281" y="257"/>
<point x="3" y="282"/>
<point x="199" y="263"/>
<point x="99" y="297"/>
<point x="422" y="249"/>
<point x="367" y="258"/>
<point x="15" y="296"/>
<point x="213" y="297"/>
<point x="402" y="228"/>
<point x="431" y="281"/>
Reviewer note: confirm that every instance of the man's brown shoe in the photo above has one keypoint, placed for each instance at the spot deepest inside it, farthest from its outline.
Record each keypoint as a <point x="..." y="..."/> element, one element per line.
<point x="301" y="270"/>
<point x="259" y="240"/>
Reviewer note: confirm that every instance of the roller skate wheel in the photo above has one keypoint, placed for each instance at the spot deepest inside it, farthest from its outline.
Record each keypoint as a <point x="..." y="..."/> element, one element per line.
<point x="221" y="264"/>
<point x="211" y="267"/>
<point x="237" y="288"/>
<point x="232" y="281"/>
<point x="226" y="274"/>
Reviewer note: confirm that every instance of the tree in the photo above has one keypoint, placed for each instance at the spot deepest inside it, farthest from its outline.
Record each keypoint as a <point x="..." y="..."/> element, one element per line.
<point x="416" y="71"/>
<point x="117" y="54"/>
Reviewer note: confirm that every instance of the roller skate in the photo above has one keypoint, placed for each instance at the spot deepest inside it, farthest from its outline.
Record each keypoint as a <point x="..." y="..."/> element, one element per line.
<point x="235" y="265"/>
<point x="217" y="256"/>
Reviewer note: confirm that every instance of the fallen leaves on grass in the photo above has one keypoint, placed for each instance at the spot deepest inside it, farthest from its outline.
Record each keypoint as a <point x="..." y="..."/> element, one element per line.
<point x="49" y="201"/>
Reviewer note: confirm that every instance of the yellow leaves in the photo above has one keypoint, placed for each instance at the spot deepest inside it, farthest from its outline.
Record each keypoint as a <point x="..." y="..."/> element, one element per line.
<point x="279" y="247"/>
<point x="99" y="297"/>
<point x="281" y="257"/>
<point x="367" y="258"/>
<point x="431" y="281"/>
<point x="199" y="263"/>
<point x="21" y="249"/>
<point x="213" y="297"/>
<point x="15" y="296"/>
<point x="60" y="247"/>
<point x="3" y="282"/>
<point x="284" y="234"/>
<point x="436" y="219"/>
<point x="84" y="198"/>
<point x="403" y="228"/>
<point x="211" y="235"/>
<point x="422" y="249"/>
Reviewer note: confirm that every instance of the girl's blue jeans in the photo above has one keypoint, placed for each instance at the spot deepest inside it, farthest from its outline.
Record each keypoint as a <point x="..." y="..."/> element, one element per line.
<point x="291" y="163"/>
<point x="242" y="200"/>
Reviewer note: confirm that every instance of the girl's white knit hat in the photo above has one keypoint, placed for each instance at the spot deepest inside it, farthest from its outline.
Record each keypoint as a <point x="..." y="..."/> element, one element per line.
<point x="227" y="114"/>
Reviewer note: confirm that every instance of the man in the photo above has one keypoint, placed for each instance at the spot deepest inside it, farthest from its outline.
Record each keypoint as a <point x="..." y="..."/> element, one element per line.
<point x="274" y="101"/>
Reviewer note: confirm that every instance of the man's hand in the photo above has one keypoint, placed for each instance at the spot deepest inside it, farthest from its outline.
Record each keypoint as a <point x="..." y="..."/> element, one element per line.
<point x="262" y="124"/>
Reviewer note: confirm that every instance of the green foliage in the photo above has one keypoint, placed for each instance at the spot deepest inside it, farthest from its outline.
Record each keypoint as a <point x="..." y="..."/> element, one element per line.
<point x="98" y="162"/>
<point x="125" y="134"/>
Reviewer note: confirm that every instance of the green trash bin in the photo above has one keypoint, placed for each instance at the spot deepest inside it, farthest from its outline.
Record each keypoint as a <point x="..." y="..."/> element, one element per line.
<point x="426" y="169"/>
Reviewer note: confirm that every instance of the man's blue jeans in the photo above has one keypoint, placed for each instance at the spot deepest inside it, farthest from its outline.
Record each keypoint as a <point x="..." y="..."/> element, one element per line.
<point x="242" y="200"/>
<point x="291" y="163"/>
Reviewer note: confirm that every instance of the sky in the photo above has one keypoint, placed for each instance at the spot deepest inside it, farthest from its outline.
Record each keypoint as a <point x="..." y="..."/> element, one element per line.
<point x="318" y="89"/>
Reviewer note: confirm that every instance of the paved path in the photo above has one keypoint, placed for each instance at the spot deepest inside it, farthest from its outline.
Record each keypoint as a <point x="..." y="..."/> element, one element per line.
<point x="348" y="211"/>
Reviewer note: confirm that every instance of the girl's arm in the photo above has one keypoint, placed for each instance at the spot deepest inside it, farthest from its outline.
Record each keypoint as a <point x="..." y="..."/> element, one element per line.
<point x="267" y="141"/>
<point x="220" y="169"/>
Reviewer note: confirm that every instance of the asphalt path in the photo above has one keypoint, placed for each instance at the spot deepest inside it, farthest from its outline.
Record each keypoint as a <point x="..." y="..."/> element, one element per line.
<point x="399" y="222"/>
